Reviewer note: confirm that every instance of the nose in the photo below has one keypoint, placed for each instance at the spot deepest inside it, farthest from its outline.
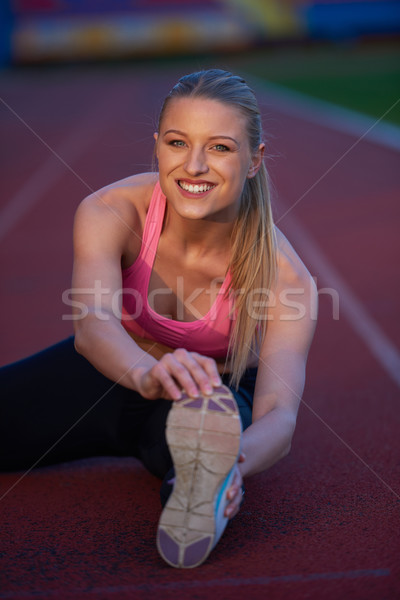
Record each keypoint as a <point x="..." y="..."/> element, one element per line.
<point x="196" y="163"/>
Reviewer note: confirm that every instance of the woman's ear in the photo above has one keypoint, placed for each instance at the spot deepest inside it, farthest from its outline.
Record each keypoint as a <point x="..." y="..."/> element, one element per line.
<point x="155" y="136"/>
<point x="256" y="162"/>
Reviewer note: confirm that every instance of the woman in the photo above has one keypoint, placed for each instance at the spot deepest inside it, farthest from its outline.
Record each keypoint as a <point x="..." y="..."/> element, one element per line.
<point x="181" y="285"/>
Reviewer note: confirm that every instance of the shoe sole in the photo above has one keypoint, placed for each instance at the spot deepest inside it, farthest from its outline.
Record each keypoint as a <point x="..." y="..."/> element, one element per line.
<point x="203" y="436"/>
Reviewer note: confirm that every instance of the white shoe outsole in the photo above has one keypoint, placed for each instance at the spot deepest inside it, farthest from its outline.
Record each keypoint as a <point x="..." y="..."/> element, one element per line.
<point x="203" y="436"/>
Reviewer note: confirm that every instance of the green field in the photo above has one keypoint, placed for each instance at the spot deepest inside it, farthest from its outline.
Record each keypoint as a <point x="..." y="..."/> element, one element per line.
<point x="362" y="77"/>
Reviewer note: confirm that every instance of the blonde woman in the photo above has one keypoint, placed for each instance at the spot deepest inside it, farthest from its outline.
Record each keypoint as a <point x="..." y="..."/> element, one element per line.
<point x="183" y="323"/>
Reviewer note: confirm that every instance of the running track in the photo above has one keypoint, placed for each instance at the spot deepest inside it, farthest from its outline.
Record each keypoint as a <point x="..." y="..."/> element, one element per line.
<point x="324" y="523"/>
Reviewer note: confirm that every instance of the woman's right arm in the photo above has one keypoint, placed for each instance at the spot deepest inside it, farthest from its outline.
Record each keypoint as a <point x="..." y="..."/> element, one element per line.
<point x="104" y="224"/>
<point x="105" y="227"/>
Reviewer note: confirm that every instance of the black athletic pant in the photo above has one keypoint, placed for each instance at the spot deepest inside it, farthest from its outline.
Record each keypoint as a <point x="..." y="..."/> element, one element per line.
<point x="55" y="407"/>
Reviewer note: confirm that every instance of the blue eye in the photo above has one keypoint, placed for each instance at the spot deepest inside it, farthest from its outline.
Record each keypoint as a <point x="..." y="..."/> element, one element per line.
<point x="221" y="148"/>
<point x="177" y="143"/>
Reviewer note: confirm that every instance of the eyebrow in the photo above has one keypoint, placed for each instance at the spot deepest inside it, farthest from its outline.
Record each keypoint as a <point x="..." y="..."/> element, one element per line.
<point x="214" y="137"/>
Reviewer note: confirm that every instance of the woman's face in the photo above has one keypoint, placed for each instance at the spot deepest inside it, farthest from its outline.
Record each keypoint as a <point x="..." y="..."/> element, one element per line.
<point x="204" y="158"/>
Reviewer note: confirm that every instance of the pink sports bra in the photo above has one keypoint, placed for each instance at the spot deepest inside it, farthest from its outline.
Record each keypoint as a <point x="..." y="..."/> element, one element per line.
<point x="208" y="336"/>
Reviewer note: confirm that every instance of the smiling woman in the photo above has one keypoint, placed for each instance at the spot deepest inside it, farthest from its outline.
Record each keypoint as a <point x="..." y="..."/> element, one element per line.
<point x="193" y="155"/>
<point x="173" y="276"/>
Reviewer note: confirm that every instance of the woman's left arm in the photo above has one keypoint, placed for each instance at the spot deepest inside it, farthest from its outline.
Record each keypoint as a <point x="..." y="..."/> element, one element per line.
<point x="282" y="364"/>
<point x="292" y="315"/>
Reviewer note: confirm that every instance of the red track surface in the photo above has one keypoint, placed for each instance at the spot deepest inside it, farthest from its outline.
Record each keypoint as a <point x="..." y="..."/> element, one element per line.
<point x="323" y="523"/>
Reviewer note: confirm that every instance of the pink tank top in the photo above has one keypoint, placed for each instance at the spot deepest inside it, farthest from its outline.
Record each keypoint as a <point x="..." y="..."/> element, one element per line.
<point x="208" y="336"/>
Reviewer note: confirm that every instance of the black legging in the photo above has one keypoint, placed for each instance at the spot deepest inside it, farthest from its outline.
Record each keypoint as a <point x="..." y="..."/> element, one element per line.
<point x="55" y="407"/>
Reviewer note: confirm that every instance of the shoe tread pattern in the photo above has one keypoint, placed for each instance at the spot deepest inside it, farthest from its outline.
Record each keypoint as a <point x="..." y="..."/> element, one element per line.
<point x="203" y="436"/>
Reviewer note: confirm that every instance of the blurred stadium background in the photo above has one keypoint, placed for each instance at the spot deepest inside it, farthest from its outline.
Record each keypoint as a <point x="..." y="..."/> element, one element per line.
<point x="343" y="51"/>
<point x="49" y="30"/>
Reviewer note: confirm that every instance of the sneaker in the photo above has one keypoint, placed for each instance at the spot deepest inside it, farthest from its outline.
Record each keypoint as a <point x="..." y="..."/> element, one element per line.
<point x="203" y="436"/>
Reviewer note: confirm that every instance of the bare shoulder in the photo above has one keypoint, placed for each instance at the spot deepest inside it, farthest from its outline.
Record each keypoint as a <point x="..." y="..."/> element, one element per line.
<point x="126" y="197"/>
<point x="114" y="216"/>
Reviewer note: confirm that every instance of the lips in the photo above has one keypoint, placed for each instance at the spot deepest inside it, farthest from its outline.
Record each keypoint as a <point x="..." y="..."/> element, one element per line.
<point x="197" y="187"/>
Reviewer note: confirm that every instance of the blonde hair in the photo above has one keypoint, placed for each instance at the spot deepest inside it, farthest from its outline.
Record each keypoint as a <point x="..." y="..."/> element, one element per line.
<point x="253" y="259"/>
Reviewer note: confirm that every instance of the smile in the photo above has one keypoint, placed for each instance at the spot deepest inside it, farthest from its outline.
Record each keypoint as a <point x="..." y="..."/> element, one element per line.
<point x="196" y="188"/>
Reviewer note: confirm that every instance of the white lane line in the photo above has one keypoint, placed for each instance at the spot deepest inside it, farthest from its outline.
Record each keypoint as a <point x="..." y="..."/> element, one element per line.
<point x="332" y="116"/>
<point x="74" y="145"/>
<point x="384" y="351"/>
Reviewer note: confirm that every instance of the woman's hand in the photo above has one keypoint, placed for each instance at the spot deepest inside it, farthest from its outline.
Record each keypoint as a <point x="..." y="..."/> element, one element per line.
<point x="235" y="492"/>
<point x="176" y="372"/>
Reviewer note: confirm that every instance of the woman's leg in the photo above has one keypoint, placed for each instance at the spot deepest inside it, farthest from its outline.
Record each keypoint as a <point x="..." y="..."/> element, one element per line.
<point x="147" y="441"/>
<point x="244" y="395"/>
<point x="150" y="443"/>
<point x="244" y="400"/>
<point x="55" y="406"/>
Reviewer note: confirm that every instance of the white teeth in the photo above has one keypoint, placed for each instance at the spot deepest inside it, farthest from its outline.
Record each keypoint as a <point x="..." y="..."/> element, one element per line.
<point x="195" y="189"/>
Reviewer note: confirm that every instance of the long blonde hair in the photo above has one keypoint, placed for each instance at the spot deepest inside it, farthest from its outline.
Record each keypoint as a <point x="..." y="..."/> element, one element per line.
<point x="253" y="258"/>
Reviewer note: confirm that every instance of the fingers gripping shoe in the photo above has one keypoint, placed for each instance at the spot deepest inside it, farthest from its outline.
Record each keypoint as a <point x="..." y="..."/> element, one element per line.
<point x="203" y="436"/>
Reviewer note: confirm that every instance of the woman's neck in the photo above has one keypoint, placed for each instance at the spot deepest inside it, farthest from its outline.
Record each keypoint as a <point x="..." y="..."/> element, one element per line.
<point x="198" y="237"/>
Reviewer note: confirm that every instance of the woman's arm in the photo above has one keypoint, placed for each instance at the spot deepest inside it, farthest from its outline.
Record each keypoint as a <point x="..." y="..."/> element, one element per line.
<point x="277" y="397"/>
<point x="281" y="370"/>
<point x="103" y="228"/>
<point x="282" y="363"/>
<point x="108" y="228"/>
